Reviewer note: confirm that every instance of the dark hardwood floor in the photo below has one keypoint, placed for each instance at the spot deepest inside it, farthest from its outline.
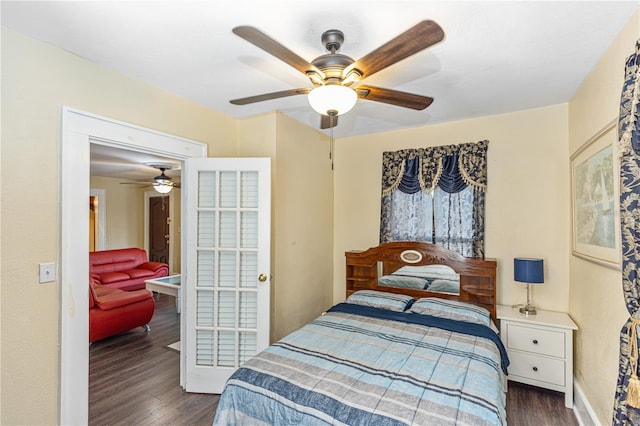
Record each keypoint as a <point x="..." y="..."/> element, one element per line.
<point x="134" y="377"/>
<point x="134" y="380"/>
<point x="532" y="406"/>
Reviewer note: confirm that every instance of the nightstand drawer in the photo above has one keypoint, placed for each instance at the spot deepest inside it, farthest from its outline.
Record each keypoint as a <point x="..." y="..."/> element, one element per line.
<point x="535" y="340"/>
<point x="546" y="370"/>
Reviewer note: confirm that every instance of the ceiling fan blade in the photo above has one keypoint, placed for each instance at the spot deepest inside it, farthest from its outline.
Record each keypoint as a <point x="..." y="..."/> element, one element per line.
<point x="137" y="183"/>
<point x="417" y="38"/>
<point x="393" y="97"/>
<point x="326" y="122"/>
<point x="269" y="45"/>
<point x="269" y="96"/>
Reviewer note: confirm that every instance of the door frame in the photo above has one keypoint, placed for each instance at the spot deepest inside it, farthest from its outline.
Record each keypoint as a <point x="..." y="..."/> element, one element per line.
<point x="153" y="194"/>
<point x="78" y="131"/>
<point x="102" y="216"/>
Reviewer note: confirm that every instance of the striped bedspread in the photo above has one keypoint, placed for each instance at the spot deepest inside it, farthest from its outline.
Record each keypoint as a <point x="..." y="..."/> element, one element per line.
<point x="360" y="365"/>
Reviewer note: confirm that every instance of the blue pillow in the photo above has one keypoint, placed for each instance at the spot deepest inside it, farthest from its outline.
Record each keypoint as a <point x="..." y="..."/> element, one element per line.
<point x="381" y="299"/>
<point x="403" y="281"/>
<point x="445" y="286"/>
<point x="452" y="309"/>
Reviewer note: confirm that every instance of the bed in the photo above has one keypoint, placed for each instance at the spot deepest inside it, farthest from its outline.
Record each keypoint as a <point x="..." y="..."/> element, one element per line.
<point x="388" y="355"/>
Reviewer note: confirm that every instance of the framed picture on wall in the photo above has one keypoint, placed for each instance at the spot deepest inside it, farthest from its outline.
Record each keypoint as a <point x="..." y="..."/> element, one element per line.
<point x="595" y="197"/>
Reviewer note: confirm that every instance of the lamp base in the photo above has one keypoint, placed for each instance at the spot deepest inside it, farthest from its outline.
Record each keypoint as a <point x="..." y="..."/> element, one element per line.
<point x="528" y="309"/>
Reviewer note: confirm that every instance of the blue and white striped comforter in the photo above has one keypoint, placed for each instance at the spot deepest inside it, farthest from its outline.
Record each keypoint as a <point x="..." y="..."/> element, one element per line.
<point x="359" y="365"/>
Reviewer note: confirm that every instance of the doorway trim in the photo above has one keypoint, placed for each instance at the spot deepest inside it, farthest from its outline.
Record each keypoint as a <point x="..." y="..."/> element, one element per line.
<point x="172" y="232"/>
<point x="102" y="217"/>
<point x="79" y="130"/>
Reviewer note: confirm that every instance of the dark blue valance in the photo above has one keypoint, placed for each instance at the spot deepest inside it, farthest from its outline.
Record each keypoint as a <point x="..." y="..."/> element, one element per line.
<point x="451" y="167"/>
<point x="450" y="181"/>
<point x="410" y="183"/>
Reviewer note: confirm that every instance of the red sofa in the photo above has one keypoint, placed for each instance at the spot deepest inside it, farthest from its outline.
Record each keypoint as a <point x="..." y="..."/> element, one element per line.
<point x="113" y="311"/>
<point x="126" y="269"/>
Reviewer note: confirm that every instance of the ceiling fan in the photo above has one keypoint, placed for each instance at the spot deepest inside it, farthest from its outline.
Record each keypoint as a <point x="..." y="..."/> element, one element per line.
<point x="336" y="77"/>
<point x="161" y="183"/>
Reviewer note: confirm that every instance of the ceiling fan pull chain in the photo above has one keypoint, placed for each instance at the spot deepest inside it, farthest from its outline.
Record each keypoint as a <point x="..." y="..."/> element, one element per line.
<point x="331" y="116"/>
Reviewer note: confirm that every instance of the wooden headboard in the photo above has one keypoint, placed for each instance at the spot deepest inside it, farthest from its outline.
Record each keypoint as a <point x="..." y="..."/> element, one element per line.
<point x="477" y="276"/>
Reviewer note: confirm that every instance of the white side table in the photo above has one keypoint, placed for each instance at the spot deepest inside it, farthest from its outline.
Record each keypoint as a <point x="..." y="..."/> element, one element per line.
<point x="167" y="285"/>
<point x="540" y="348"/>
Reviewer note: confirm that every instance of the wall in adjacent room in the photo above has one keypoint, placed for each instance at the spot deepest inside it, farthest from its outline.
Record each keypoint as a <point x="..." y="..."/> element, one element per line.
<point x="37" y="80"/>
<point x="125" y="213"/>
<point x="596" y="303"/>
<point x="527" y="208"/>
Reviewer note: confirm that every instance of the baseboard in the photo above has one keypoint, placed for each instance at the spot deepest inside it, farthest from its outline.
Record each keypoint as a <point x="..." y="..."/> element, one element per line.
<point x="582" y="409"/>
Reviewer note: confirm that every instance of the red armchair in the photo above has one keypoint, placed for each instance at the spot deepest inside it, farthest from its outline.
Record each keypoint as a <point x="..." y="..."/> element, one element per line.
<point x="113" y="311"/>
<point x="126" y="269"/>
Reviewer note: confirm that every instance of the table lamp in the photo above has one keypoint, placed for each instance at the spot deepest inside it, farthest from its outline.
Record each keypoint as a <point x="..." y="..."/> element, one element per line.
<point x="528" y="271"/>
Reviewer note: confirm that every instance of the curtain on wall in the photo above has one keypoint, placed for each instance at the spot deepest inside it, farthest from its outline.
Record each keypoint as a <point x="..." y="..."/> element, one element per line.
<point x="627" y="398"/>
<point x="437" y="195"/>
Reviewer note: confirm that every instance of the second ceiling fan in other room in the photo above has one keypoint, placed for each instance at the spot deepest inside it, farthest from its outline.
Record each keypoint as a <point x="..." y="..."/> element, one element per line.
<point x="161" y="183"/>
<point x="336" y="77"/>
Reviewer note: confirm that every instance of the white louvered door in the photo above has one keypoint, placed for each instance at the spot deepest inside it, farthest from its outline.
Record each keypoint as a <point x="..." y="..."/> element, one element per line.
<point x="226" y="284"/>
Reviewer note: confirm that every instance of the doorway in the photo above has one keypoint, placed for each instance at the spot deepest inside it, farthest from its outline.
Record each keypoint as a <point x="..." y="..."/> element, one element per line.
<point x="79" y="131"/>
<point x="162" y="228"/>
<point x="158" y="229"/>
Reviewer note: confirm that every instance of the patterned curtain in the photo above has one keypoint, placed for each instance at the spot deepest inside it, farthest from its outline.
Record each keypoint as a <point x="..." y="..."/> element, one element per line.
<point x="627" y="398"/>
<point x="436" y="194"/>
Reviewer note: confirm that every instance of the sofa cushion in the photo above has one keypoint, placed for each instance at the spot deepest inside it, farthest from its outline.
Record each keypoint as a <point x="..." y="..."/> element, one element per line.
<point x="119" y="298"/>
<point x="139" y="273"/>
<point x="112" y="277"/>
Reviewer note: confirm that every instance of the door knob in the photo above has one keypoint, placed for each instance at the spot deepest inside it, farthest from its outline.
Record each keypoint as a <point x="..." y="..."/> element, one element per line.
<point x="262" y="277"/>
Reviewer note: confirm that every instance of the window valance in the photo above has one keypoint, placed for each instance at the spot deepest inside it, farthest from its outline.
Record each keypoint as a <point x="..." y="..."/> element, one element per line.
<point x="451" y="167"/>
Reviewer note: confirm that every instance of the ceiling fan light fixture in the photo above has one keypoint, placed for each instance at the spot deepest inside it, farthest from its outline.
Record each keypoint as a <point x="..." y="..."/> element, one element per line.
<point x="163" y="188"/>
<point x="163" y="183"/>
<point x="332" y="97"/>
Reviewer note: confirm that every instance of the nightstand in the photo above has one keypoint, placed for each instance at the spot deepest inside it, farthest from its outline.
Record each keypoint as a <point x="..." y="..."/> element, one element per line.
<point x="540" y="348"/>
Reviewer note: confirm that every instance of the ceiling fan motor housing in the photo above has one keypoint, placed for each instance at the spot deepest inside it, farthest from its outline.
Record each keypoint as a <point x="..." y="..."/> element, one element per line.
<point x="332" y="40"/>
<point x="332" y="65"/>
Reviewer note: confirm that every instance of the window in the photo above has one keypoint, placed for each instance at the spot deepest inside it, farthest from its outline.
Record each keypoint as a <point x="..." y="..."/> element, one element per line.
<point x="436" y="195"/>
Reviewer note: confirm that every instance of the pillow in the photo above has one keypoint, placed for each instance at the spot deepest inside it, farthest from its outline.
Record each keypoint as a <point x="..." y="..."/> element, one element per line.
<point x="445" y="286"/>
<point x="452" y="309"/>
<point x="380" y="299"/>
<point x="403" y="282"/>
<point x="429" y="271"/>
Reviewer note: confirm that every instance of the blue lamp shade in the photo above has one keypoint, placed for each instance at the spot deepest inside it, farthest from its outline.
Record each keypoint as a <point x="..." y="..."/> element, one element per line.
<point x="528" y="270"/>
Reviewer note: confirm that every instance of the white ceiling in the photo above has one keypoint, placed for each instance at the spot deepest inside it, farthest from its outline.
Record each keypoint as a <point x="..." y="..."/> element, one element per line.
<point x="496" y="56"/>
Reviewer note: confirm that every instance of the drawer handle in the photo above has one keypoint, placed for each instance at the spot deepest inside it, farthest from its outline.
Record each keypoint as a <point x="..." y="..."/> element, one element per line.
<point x="535" y="368"/>
<point x="535" y="341"/>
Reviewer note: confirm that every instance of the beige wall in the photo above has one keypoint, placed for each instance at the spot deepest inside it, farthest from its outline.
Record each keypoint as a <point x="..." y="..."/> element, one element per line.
<point x="527" y="209"/>
<point x="125" y="213"/>
<point x="303" y="225"/>
<point x="302" y="216"/>
<point x="596" y="302"/>
<point x="37" y="80"/>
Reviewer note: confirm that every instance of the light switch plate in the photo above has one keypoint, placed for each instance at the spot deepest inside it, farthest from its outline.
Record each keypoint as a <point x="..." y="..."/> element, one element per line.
<point x="47" y="272"/>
